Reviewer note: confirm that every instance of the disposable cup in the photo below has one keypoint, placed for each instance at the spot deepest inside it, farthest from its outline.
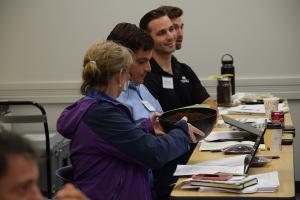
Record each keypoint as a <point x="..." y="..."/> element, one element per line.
<point x="271" y="105"/>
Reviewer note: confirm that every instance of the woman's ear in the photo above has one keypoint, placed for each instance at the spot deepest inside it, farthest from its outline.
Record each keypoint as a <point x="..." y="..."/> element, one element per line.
<point x="119" y="79"/>
<point x="122" y="77"/>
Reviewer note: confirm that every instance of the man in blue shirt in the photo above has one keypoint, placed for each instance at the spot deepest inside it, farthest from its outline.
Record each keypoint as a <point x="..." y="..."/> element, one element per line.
<point x="136" y="97"/>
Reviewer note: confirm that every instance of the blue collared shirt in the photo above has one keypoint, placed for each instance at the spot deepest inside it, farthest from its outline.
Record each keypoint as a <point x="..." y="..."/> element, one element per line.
<point x="136" y="98"/>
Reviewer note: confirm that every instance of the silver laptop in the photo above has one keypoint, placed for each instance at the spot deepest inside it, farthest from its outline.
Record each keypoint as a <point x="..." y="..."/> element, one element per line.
<point x="246" y="127"/>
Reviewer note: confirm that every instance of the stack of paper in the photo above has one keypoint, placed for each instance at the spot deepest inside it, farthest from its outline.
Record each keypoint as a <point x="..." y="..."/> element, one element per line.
<point x="232" y="183"/>
<point x="266" y="182"/>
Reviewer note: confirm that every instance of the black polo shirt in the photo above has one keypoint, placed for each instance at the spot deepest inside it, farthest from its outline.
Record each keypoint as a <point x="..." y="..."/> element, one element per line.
<point x="183" y="88"/>
<point x="186" y="90"/>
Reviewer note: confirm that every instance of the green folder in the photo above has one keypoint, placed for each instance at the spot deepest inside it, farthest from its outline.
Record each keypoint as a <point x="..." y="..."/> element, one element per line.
<point x="191" y="106"/>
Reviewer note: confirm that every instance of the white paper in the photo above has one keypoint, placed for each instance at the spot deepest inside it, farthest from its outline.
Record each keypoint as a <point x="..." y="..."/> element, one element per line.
<point x="219" y="146"/>
<point x="226" y="135"/>
<point x="232" y="164"/>
<point x="254" y="121"/>
<point x="267" y="182"/>
<point x="254" y="109"/>
<point x="183" y="170"/>
<point x="216" y="146"/>
<point x="231" y="161"/>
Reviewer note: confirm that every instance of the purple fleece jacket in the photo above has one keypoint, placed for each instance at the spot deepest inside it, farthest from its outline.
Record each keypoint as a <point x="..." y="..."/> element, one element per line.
<point x="110" y="154"/>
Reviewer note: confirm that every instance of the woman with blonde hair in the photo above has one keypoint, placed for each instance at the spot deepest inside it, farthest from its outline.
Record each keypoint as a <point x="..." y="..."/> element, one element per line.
<point x="111" y="154"/>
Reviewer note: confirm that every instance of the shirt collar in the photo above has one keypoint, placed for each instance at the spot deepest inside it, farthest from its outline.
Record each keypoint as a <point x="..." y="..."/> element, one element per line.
<point x="157" y="69"/>
<point x="95" y="94"/>
<point x="135" y="87"/>
<point x="132" y="85"/>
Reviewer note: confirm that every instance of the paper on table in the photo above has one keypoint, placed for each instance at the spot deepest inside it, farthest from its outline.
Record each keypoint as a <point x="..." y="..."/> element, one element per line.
<point x="254" y="109"/>
<point x="254" y="121"/>
<point x="219" y="146"/>
<point x="215" y="146"/>
<point x="226" y="135"/>
<point x="232" y="164"/>
<point x="267" y="182"/>
<point x="183" y="170"/>
<point x="231" y="161"/>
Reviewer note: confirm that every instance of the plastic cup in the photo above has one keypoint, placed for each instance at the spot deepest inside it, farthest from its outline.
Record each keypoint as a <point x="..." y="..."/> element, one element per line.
<point x="271" y="105"/>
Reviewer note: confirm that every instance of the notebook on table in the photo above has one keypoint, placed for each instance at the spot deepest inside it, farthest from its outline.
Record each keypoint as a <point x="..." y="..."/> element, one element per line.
<point x="232" y="183"/>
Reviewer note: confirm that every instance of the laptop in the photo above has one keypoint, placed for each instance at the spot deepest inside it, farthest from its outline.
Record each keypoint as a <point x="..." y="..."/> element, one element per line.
<point x="246" y="127"/>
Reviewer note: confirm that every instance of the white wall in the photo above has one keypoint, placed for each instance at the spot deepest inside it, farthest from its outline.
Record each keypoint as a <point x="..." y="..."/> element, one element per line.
<point x="42" y="44"/>
<point x="46" y="40"/>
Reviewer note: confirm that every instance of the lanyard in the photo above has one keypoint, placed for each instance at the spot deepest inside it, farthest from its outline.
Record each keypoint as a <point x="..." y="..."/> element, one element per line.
<point x="134" y="87"/>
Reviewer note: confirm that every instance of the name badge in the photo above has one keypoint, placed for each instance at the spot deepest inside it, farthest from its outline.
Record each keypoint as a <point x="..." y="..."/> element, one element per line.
<point x="148" y="106"/>
<point x="167" y="82"/>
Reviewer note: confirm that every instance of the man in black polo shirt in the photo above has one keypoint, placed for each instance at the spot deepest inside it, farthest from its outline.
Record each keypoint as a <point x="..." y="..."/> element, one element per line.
<point x="174" y="84"/>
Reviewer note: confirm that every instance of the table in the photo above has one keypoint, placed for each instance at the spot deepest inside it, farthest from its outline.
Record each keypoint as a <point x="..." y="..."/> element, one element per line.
<point x="284" y="165"/>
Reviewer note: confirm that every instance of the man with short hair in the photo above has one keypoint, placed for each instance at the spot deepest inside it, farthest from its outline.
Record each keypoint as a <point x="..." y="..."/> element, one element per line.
<point x="174" y="84"/>
<point x="136" y="97"/>
<point x="170" y="79"/>
<point x="19" y="171"/>
<point x="175" y="13"/>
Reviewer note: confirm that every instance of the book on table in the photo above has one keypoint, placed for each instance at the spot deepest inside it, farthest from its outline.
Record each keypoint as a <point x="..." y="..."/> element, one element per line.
<point x="267" y="182"/>
<point x="228" y="184"/>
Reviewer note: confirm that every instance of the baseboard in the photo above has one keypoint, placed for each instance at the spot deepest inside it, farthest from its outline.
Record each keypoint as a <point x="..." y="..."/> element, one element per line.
<point x="68" y="91"/>
<point x="42" y="92"/>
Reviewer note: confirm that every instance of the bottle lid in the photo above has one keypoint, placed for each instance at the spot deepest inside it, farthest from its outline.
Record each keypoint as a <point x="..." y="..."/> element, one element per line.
<point x="227" y="61"/>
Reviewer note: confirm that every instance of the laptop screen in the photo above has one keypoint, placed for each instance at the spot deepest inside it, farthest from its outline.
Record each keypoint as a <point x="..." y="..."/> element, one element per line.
<point x="246" y="127"/>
